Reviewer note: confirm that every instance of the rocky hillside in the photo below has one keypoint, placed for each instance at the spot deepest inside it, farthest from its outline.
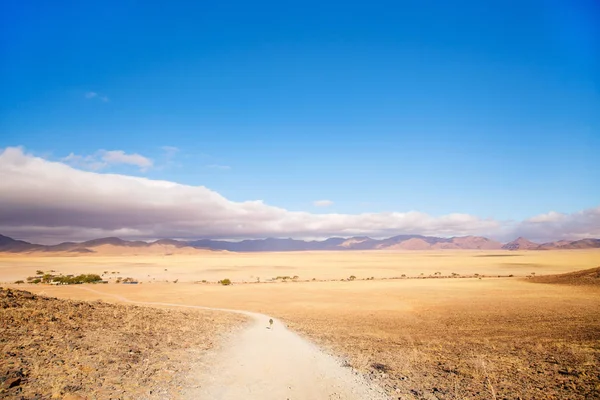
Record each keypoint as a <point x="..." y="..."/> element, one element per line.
<point x="62" y="349"/>
<point x="587" y="277"/>
<point x="520" y="243"/>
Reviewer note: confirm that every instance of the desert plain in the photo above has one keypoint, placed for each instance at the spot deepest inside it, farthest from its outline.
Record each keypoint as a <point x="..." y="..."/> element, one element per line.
<point x="420" y="325"/>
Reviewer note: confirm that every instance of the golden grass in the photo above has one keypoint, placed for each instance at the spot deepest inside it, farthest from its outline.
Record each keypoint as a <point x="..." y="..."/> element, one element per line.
<point x="448" y="338"/>
<point x="56" y="347"/>
<point x="240" y="267"/>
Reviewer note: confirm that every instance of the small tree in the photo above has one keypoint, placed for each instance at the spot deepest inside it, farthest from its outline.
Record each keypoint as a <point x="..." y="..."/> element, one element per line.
<point x="352" y="277"/>
<point x="39" y="272"/>
<point x="225" y="282"/>
<point x="19" y="282"/>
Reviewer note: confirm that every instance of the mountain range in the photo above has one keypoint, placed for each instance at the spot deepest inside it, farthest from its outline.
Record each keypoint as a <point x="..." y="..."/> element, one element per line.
<point x="400" y="242"/>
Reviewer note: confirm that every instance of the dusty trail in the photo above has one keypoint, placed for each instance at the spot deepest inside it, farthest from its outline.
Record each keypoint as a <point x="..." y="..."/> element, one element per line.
<point x="267" y="363"/>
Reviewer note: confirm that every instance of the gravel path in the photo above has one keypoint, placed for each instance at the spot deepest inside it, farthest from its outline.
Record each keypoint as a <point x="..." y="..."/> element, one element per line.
<point x="273" y="363"/>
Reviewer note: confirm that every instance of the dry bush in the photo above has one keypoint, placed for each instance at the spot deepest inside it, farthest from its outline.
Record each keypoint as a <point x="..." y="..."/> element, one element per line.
<point x="98" y="349"/>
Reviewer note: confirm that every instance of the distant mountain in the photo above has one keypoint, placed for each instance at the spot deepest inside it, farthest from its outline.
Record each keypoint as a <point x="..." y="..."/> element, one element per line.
<point x="580" y="244"/>
<point x="114" y="241"/>
<point x="11" y="245"/>
<point x="114" y="245"/>
<point x="520" y="243"/>
<point x="585" y="244"/>
<point x="171" y="242"/>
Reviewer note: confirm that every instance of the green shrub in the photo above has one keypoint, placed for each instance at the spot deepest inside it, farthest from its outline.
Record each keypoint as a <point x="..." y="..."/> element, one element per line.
<point x="39" y="272"/>
<point x="36" y="280"/>
<point x="75" y="280"/>
<point x="19" y="282"/>
<point x="225" y="282"/>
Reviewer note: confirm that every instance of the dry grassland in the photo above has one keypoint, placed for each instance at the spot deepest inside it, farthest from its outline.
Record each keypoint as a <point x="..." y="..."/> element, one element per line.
<point x="248" y="267"/>
<point x="490" y="338"/>
<point x="51" y="348"/>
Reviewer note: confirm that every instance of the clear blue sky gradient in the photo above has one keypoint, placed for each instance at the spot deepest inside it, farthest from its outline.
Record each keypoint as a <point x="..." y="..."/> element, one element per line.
<point x="490" y="108"/>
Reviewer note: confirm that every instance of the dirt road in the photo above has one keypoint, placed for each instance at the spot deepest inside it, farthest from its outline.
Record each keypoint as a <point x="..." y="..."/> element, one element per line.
<point x="272" y="363"/>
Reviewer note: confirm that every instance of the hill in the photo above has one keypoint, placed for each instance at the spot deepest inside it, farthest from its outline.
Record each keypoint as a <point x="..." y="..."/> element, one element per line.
<point x="11" y="245"/>
<point x="50" y="344"/>
<point x="571" y="244"/>
<point x="114" y="245"/>
<point x="520" y="243"/>
<point x="588" y="277"/>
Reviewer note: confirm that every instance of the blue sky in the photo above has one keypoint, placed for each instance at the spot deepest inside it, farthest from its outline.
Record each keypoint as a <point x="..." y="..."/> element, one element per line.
<point x="485" y="108"/>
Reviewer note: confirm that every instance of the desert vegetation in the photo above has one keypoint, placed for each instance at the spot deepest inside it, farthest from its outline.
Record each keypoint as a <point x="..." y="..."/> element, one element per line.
<point x="49" y="277"/>
<point x="50" y="348"/>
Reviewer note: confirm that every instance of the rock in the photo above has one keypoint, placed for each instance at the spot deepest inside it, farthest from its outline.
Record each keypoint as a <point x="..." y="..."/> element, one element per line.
<point x="11" y="383"/>
<point x="71" y="396"/>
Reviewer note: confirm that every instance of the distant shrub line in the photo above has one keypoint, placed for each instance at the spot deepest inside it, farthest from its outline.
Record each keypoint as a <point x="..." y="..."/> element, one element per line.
<point x="64" y="280"/>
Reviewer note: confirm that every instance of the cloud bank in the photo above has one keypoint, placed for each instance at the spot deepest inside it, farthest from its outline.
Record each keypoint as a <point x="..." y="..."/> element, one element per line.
<point x="50" y="201"/>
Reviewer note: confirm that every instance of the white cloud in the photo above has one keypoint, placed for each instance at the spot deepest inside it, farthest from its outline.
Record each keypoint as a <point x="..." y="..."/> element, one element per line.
<point x="554" y="225"/>
<point x="219" y="167"/>
<point x="86" y="162"/>
<point x="94" y="95"/>
<point x="103" y="158"/>
<point x="322" y="203"/>
<point x="41" y="198"/>
<point x="120" y="157"/>
<point x="170" y="151"/>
